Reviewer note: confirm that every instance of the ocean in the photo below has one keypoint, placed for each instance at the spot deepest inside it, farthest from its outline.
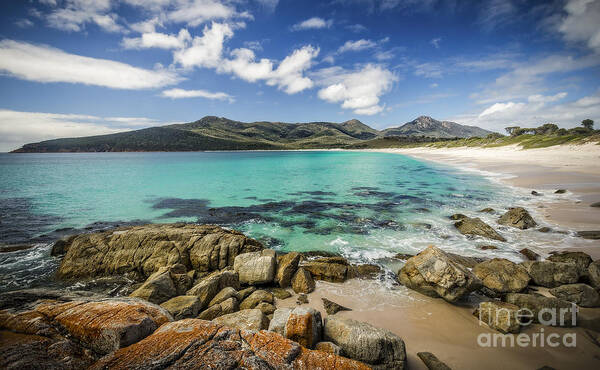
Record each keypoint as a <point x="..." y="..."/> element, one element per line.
<point x="367" y="206"/>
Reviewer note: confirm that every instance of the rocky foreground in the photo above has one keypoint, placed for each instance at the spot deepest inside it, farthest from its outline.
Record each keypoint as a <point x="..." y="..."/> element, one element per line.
<point x="200" y="296"/>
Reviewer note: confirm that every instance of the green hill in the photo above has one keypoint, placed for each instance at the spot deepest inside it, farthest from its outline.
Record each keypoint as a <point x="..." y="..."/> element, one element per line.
<point x="219" y="133"/>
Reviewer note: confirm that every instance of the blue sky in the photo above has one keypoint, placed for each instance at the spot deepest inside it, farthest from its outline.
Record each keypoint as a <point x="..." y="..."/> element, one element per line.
<point x="82" y="67"/>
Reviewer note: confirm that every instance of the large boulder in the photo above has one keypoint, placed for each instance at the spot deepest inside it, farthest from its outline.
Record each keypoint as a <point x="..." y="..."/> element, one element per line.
<point x="255" y="298"/>
<point x="517" y="217"/>
<point x="256" y="267"/>
<point x="580" y="259"/>
<point x="594" y="274"/>
<point x="303" y="282"/>
<point x="286" y="268"/>
<point x="252" y="319"/>
<point x="502" y="275"/>
<point x="280" y="317"/>
<point x="103" y="326"/>
<point x="210" y="286"/>
<point x="581" y="294"/>
<point x="376" y="347"/>
<point x="551" y="274"/>
<point x="476" y="227"/>
<point x="199" y="344"/>
<point x="332" y="269"/>
<point x="554" y="311"/>
<point x="158" y="288"/>
<point x="230" y="305"/>
<point x="224" y="294"/>
<point x="501" y="316"/>
<point x="304" y="326"/>
<point x="432" y="272"/>
<point x="141" y="250"/>
<point x="183" y="306"/>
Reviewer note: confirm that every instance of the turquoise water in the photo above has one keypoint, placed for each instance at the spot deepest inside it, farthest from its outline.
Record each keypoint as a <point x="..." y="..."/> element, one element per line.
<point x="367" y="206"/>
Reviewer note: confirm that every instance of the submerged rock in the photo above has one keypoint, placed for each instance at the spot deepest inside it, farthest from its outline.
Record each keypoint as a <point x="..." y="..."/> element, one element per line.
<point x="531" y="255"/>
<point x="581" y="294"/>
<point x="432" y="272"/>
<point x="502" y="275"/>
<point x="142" y="250"/>
<point x="376" y="347"/>
<point x="593" y="235"/>
<point x="197" y="344"/>
<point x="517" y="217"/>
<point x="551" y="274"/>
<point x="476" y="227"/>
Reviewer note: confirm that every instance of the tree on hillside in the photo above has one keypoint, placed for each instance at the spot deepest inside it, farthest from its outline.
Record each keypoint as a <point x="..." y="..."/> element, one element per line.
<point x="588" y="123"/>
<point x="511" y="129"/>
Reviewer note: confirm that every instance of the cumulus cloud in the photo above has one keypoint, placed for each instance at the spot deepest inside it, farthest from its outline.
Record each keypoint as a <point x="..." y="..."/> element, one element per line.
<point x="18" y="128"/>
<point x="206" y="51"/>
<point x="43" y="63"/>
<point x="581" y="23"/>
<point x="356" y="45"/>
<point x="182" y="94"/>
<point x="157" y="40"/>
<point x="359" y="89"/>
<point x="312" y="23"/>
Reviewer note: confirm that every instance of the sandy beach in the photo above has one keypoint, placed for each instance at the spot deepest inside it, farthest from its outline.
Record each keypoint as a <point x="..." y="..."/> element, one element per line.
<point x="450" y="331"/>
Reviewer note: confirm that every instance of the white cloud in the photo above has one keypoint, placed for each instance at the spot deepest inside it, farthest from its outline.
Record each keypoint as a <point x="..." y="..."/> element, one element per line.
<point x="269" y="5"/>
<point x="581" y="23"/>
<point x="182" y="94"/>
<point x="429" y="70"/>
<point x="196" y="12"/>
<point x="356" y="45"/>
<point x="73" y="15"/>
<point x="356" y="28"/>
<point x="205" y="51"/>
<point x="312" y="23"/>
<point x="157" y="40"/>
<point x="42" y="63"/>
<point x="359" y="90"/>
<point x="436" y="42"/>
<point x="527" y="78"/>
<point x="18" y="128"/>
<point x="534" y="111"/>
<point x="24" y="23"/>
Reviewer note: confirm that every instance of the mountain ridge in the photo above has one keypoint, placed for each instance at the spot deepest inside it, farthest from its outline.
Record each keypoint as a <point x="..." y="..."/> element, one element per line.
<point x="221" y="133"/>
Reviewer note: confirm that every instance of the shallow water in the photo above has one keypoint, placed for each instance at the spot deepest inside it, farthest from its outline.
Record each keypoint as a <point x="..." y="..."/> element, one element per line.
<point x="367" y="206"/>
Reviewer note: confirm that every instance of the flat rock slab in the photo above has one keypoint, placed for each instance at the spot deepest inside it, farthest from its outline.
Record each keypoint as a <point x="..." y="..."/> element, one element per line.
<point x="194" y="343"/>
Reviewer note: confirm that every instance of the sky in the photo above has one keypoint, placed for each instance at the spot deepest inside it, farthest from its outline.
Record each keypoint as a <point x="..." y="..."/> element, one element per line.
<point x="86" y="67"/>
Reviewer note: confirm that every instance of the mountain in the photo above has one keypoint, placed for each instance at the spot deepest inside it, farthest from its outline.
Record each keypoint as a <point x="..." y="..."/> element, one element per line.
<point x="427" y="126"/>
<point x="219" y="133"/>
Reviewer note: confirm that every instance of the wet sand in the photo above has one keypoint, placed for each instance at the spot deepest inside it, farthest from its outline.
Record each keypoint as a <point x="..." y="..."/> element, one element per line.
<point x="448" y="331"/>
